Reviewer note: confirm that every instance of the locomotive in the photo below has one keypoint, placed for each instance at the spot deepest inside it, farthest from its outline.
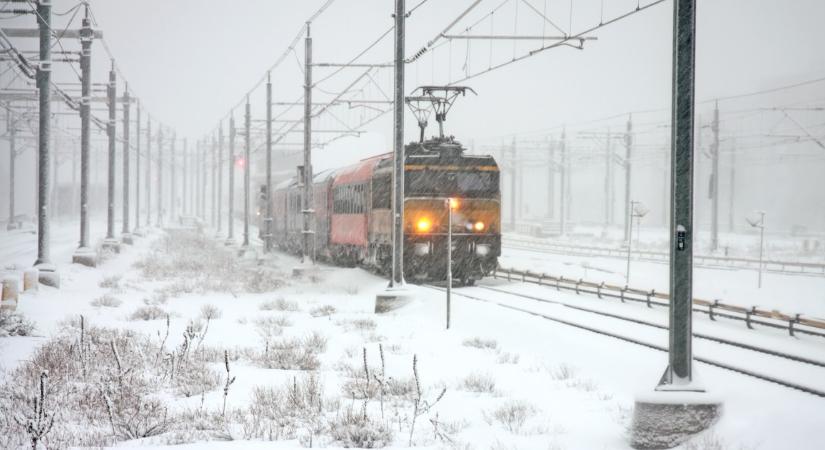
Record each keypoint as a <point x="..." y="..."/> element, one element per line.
<point x="353" y="212"/>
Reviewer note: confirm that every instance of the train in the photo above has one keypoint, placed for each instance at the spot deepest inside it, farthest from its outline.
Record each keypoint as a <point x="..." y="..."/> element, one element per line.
<point x="352" y="215"/>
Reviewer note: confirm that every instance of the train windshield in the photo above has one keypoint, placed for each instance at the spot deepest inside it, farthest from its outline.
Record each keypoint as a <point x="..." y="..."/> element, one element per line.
<point x="465" y="183"/>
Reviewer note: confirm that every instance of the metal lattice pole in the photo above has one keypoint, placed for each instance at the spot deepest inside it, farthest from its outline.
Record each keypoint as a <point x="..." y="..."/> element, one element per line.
<point x="246" y="145"/>
<point x="110" y="128"/>
<point x="714" y="187"/>
<point x="268" y="219"/>
<point x="125" y="188"/>
<point x="563" y="184"/>
<point x="160" y="176"/>
<point x="220" y="174"/>
<point x="306" y="253"/>
<point x="230" y="239"/>
<point x="137" y="167"/>
<point x="628" y="176"/>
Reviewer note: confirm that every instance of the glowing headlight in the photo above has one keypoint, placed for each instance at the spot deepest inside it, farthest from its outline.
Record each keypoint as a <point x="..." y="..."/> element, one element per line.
<point x="423" y="225"/>
<point x="478" y="226"/>
<point x="482" y="249"/>
<point x="422" y="248"/>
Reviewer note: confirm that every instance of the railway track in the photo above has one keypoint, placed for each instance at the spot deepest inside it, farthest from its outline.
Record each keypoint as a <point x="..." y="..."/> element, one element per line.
<point x="707" y="261"/>
<point x="766" y="364"/>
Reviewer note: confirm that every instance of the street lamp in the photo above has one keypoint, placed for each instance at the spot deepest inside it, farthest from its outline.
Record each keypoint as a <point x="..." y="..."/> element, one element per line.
<point x="638" y="211"/>
<point x="759" y="223"/>
<point x="451" y="204"/>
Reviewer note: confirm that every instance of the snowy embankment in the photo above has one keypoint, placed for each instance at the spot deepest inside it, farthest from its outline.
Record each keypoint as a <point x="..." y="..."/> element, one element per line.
<point x="306" y="358"/>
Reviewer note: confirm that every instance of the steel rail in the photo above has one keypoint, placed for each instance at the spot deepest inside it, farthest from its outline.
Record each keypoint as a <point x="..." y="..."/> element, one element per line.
<point x="712" y="362"/>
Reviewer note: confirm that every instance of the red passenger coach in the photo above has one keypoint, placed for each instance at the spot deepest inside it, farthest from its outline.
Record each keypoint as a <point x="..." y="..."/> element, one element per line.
<point x="349" y="231"/>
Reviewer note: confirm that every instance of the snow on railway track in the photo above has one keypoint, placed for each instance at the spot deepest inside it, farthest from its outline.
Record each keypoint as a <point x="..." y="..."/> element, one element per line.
<point x="768" y="363"/>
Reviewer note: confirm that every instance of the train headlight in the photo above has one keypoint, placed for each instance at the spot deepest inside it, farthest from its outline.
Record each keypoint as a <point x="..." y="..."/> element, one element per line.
<point x="482" y="249"/>
<point x="479" y="226"/>
<point x="423" y="225"/>
<point x="421" y="248"/>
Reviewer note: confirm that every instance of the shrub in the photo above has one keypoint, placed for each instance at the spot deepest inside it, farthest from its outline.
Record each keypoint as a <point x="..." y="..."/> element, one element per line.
<point x="512" y="415"/>
<point x="279" y="305"/>
<point x="14" y="324"/>
<point x="110" y="282"/>
<point x="210" y="312"/>
<point x="357" y="430"/>
<point x="508" y="358"/>
<point x="281" y="412"/>
<point x="478" y="342"/>
<point x="562" y="372"/>
<point x="322" y="311"/>
<point x="293" y="354"/>
<point x="106" y="300"/>
<point x="148" y="313"/>
<point x="479" y="382"/>
<point x="358" y="324"/>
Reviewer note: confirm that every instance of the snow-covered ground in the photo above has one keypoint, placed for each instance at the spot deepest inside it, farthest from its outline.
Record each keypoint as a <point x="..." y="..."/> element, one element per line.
<point x="512" y="380"/>
<point x="791" y="294"/>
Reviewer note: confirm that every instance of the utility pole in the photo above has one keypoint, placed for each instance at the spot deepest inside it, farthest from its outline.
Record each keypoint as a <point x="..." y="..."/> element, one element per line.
<point x="732" y="189"/>
<point x="48" y="272"/>
<point x="608" y="178"/>
<point x="220" y="175"/>
<point x="563" y="184"/>
<point x="551" y="179"/>
<point x="513" y="186"/>
<point x="125" y="233"/>
<point x="137" y="171"/>
<point x="628" y="165"/>
<point x="230" y="239"/>
<point x="160" y="176"/>
<point x="184" y="174"/>
<point x="268" y="219"/>
<point x="173" y="204"/>
<point x="679" y="373"/>
<point x="714" y="182"/>
<point x="214" y="169"/>
<point x="306" y="254"/>
<point x="202" y="173"/>
<point x="148" y="172"/>
<point x="196" y="179"/>
<point x="110" y="242"/>
<point x="11" y="126"/>
<point x="246" y="141"/>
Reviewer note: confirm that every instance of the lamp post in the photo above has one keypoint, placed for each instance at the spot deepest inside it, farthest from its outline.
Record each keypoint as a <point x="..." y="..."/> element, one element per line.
<point x="449" y="203"/>
<point x="760" y="223"/>
<point x="638" y="211"/>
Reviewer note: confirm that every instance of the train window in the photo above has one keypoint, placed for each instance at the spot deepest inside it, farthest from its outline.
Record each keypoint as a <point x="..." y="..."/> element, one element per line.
<point x="381" y="192"/>
<point x="469" y="183"/>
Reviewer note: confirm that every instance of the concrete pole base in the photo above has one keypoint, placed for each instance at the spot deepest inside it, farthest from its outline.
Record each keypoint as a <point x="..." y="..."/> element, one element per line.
<point x="230" y="242"/>
<point x="391" y="299"/>
<point x="12" y="226"/>
<point x="127" y="238"/>
<point x="85" y="256"/>
<point x="247" y="253"/>
<point x="138" y="232"/>
<point x="10" y="295"/>
<point x="48" y="275"/>
<point x="30" y="279"/>
<point x="111" y="245"/>
<point x="666" y="419"/>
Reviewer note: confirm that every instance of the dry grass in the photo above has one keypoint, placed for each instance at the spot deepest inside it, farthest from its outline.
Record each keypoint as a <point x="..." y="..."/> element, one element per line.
<point x="148" y="313"/>
<point x="478" y="382"/>
<point x="512" y="415"/>
<point x="106" y="300"/>
<point x="279" y="304"/>
<point x="322" y="311"/>
<point x="477" y="342"/>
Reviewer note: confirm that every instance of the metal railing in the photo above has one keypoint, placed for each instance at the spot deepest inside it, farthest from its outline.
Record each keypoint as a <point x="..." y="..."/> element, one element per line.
<point x="793" y="323"/>
<point x="770" y="265"/>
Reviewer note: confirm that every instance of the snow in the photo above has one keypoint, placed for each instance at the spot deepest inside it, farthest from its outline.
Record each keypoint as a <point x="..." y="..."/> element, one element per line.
<point x="577" y="387"/>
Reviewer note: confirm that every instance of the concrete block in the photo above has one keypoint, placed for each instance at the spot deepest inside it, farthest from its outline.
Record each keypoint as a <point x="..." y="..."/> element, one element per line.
<point x="392" y="299"/>
<point x="10" y="294"/>
<point x="111" y="245"/>
<point x="85" y="256"/>
<point x="30" y="279"/>
<point x="127" y="239"/>
<point x="48" y="275"/>
<point x="666" y="419"/>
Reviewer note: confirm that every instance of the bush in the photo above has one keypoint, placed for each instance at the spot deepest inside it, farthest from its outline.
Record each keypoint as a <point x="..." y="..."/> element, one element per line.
<point x="281" y="412"/>
<point x="279" y="305"/>
<point x="478" y="342"/>
<point x="562" y="372"/>
<point x="508" y="358"/>
<point x="210" y="312"/>
<point x="358" y="430"/>
<point x="512" y="415"/>
<point x="293" y="354"/>
<point x="148" y="313"/>
<point x="322" y="311"/>
<point x="106" y="300"/>
<point x="14" y="324"/>
<point x="111" y="282"/>
<point x="194" y="377"/>
<point x="479" y="382"/>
